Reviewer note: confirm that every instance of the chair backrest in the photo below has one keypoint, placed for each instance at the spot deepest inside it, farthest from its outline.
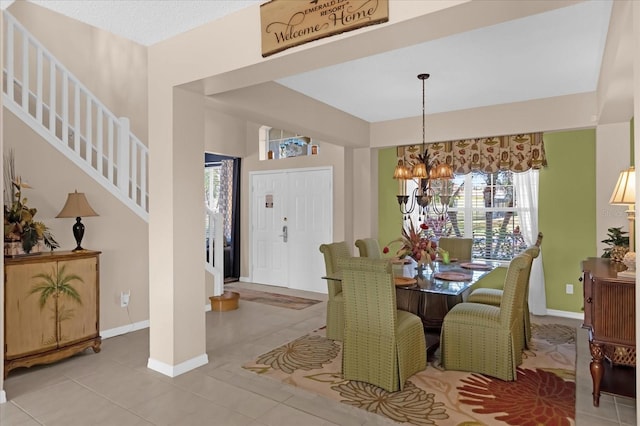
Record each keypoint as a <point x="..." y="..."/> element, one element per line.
<point x="332" y="252"/>
<point x="515" y="288"/>
<point x="369" y="295"/>
<point x="459" y="248"/>
<point x="534" y="252"/>
<point x="369" y="247"/>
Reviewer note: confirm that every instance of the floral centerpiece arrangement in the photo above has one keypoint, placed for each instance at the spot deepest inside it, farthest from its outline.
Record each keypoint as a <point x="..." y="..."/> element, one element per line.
<point x="19" y="224"/>
<point x="416" y="244"/>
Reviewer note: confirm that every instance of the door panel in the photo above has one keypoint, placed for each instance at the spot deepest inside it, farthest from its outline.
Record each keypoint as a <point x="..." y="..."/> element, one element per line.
<point x="303" y="201"/>
<point x="78" y="320"/>
<point x="23" y="310"/>
<point x="268" y="254"/>
<point x="311" y="214"/>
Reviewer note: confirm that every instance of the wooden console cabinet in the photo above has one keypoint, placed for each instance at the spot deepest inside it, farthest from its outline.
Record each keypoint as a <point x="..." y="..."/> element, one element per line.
<point x="51" y="308"/>
<point x="609" y="314"/>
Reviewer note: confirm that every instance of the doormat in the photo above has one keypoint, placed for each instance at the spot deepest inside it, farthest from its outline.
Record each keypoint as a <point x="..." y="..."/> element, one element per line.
<point x="543" y="394"/>
<point x="273" y="299"/>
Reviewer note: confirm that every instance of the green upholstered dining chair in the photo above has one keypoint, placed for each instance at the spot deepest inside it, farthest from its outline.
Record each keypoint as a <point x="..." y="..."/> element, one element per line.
<point x="382" y="345"/>
<point x="484" y="338"/>
<point x="335" y="303"/>
<point x="458" y="248"/>
<point x="491" y="296"/>
<point x="369" y="247"/>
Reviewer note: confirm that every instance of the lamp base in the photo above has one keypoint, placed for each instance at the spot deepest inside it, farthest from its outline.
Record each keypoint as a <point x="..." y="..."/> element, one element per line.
<point x="78" y="233"/>
<point x="629" y="261"/>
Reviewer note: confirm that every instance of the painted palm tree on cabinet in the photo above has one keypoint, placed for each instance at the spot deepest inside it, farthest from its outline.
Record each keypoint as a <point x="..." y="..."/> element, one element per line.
<point x="54" y="285"/>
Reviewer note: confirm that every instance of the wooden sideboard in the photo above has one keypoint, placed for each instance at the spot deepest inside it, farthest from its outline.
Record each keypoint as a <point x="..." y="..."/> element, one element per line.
<point x="51" y="307"/>
<point x="609" y="314"/>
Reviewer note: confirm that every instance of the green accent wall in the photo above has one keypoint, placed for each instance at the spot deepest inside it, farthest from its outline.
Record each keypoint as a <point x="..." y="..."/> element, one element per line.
<point x="567" y="213"/>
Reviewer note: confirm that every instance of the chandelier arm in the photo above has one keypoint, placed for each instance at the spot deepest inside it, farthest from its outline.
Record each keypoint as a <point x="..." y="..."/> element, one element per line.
<point x="403" y="201"/>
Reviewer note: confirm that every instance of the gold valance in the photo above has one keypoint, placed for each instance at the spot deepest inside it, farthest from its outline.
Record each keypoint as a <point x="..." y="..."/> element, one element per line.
<point x="517" y="153"/>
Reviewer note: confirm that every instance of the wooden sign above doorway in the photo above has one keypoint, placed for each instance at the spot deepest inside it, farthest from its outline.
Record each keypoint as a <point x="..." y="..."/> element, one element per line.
<point x="287" y="23"/>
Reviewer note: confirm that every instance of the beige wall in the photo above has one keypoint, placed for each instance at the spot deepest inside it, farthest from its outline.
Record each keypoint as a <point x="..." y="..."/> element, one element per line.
<point x="118" y="233"/>
<point x="207" y="54"/>
<point x="329" y="155"/>
<point x="113" y="68"/>
<point x="551" y="114"/>
<point x="120" y="82"/>
<point x="225" y="134"/>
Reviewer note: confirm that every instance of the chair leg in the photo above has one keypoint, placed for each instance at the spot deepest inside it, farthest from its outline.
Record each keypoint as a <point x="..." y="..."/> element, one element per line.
<point x="527" y="327"/>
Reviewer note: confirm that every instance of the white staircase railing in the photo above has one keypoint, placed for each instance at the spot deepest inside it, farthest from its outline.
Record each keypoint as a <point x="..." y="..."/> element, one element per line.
<point x="45" y="95"/>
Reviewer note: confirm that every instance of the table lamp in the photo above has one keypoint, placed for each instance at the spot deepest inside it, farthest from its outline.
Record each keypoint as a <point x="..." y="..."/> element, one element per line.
<point x="77" y="206"/>
<point x="625" y="194"/>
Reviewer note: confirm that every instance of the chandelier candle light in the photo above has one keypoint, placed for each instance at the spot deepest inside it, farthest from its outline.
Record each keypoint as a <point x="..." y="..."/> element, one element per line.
<point x="425" y="175"/>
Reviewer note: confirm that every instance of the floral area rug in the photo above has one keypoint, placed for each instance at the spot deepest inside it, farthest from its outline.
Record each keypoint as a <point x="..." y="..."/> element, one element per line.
<point x="543" y="394"/>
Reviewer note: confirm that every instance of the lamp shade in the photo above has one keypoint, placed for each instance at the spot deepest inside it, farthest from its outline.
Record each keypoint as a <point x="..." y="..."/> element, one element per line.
<point x="401" y="171"/>
<point x="77" y="206"/>
<point x="625" y="190"/>
<point x="444" y="171"/>
<point x="420" y="171"/>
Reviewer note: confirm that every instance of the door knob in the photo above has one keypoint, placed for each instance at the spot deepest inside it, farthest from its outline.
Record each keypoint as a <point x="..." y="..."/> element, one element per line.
<point x="285" y="234"/>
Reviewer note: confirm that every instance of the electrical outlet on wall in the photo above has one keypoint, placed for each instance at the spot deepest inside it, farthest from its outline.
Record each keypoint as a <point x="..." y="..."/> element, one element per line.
<point x="124" y="298"/>
<point x="569" y="288"/>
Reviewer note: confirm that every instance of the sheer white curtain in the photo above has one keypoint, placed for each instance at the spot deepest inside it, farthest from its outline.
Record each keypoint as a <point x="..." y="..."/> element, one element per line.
<point x="225" y="197"/>
<point x="526" y="185"/>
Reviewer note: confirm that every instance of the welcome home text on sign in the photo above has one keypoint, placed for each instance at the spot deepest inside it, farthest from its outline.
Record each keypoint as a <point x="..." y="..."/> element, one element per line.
<point x="288" y="23"/>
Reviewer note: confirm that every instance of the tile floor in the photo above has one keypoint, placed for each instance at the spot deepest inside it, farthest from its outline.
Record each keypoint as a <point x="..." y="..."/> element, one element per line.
<point x="114" y="387"/>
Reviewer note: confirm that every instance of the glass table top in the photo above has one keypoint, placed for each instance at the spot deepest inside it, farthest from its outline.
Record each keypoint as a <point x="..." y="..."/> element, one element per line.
<point x="448" y="279"/>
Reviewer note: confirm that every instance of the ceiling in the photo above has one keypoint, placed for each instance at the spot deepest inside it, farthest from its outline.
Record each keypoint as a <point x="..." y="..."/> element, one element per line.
<point x="545" y="55"/>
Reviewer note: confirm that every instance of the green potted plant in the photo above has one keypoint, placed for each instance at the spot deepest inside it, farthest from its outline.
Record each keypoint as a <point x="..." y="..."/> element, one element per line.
<point x="22" y="233"/>
<point x="618" y="243"/>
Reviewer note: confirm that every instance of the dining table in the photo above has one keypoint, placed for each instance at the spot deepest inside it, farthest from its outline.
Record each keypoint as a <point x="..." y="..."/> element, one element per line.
<point x="430" y="291"/>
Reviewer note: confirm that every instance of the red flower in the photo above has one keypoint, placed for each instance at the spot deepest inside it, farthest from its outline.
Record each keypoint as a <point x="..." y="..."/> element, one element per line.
<point x="415" y="243"/>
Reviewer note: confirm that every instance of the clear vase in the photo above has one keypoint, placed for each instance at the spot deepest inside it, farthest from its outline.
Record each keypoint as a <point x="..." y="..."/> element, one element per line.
<point x="424" y="267"/>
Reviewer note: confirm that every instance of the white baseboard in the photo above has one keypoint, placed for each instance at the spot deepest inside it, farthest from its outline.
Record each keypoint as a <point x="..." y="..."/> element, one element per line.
<point x="565" y="314"/>
<point x="245" y="279"/>
<point x="3" y="397"/>
<point x="176" y="370"/>
<point x="113" y="332"/>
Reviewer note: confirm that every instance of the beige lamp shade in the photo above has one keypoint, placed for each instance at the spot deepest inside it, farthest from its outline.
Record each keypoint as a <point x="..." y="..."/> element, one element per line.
<point x="444" y="171"/>
<point x="420" y="171"/>
<point x="400" y="172"/>
<point x="625" y="190"/>
<point x="625" y="194"/>
<point x="77" y="206"/>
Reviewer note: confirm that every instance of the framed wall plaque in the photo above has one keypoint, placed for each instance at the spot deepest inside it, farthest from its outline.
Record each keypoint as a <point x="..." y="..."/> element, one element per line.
<point x="287" y="23"/>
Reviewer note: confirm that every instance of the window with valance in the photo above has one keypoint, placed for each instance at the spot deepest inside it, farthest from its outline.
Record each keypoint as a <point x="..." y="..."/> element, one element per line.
<point x="487" y="203"/>
<point x="517" y="153"/>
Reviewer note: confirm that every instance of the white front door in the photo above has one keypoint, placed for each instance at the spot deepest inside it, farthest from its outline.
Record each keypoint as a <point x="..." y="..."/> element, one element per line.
<point x="301" y="201"/>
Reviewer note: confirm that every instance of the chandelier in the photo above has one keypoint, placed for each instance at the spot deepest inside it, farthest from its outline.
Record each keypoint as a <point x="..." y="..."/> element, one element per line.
<point x="431" y="196"/>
